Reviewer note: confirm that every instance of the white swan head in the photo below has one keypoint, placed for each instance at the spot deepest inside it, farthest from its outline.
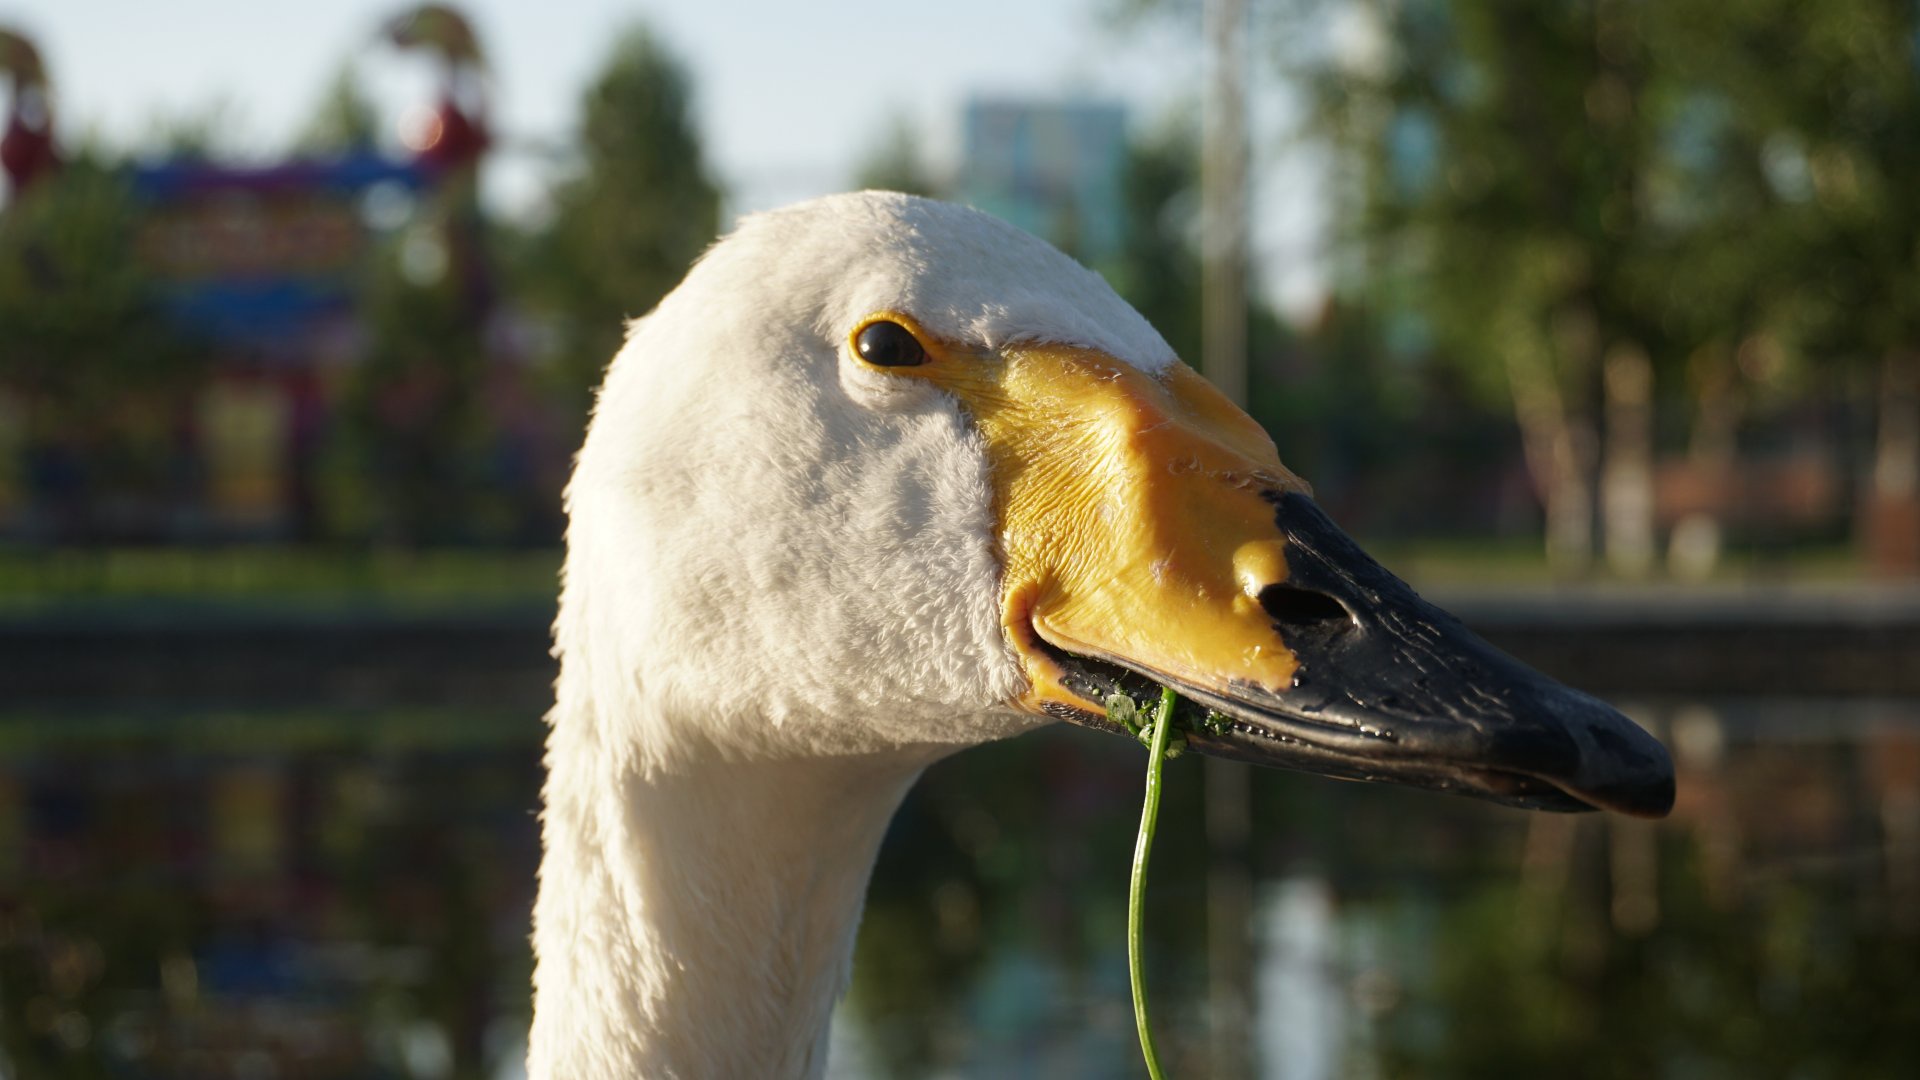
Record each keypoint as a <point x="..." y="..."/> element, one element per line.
<point x="793" y="549"/>
<point x="886" y="477"/>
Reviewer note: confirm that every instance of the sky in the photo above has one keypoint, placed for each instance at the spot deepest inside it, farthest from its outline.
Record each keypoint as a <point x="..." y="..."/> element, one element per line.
<point x="789" y="96"/>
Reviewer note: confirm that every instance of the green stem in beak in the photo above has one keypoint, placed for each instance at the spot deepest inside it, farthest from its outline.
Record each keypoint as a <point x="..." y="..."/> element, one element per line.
<point x="1160" y="727"/>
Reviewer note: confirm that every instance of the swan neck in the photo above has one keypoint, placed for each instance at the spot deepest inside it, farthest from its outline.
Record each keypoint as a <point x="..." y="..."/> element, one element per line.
<point x="700" y="921"/>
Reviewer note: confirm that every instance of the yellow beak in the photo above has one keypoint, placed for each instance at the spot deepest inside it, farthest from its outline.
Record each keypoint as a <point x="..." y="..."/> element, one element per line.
<point x="1150" y="535"/>
<point x="1133" y="519"/>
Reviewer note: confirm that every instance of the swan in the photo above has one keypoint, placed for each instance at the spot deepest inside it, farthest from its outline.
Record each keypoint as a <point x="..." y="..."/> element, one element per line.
<point x="886" y="477"/>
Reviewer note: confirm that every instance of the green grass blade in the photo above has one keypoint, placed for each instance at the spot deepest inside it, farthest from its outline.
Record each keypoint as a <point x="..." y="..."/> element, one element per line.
<point x="1137" y="888"/>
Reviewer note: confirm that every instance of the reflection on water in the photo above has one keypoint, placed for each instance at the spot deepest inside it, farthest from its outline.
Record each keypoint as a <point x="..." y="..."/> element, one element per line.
<point x="349" y="897"/>
<point x="337" y="907"/>
<point x="1770" y="928"/>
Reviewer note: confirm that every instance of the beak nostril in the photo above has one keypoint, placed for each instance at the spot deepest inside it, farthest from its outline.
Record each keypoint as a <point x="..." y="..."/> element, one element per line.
<point x="1292" y="606"/>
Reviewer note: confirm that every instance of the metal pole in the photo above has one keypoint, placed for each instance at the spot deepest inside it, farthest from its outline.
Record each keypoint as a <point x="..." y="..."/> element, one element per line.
<point x="1223" y="301"/>
<point x="1223" y="203"/>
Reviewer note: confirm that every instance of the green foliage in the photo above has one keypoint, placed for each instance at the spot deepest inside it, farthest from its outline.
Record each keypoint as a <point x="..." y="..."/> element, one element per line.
<point x="345" y="120"/>
<point x="280" y="576"/>
<point x="83" y="340"/>
<point x="1158" y="270"/>
<point x="1141" y="720"/>
<point x="423" y="408"/>
<point x="1158" y="267"/>
<point x="642" y="208"/>
<point x="79" y="319"/>
<point x="1829" y="108"/>
<point x="1549" y="199"/>
<point x="1498" y="196"/>
<point x="895" y="163"/>
<point x="209" y="132"/>
<point x="1547" y="181"/>
<point x="414" y="416"/>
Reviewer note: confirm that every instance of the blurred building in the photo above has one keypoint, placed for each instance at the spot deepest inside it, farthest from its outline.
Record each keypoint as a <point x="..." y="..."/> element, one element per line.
<point x="1052" y="168"/>
<point x="269" y="283"/>
<point x="262" y="266"/>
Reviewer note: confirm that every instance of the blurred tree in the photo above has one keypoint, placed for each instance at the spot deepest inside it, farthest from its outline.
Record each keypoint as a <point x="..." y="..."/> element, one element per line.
<point x="896" y="163"/>
<point x="641" y="209"/>
<point x="413" y="408"/>
<point x="1727" y="239"/>
<point x="345" y="120"/>
<point x="1830" y="96"/>
<point x="1158" y="267"/>
<point x="101" y="371"/>
<point x="1593" y="203"/>
<point x="209" y="132"/>
<point x="1506" y="146"/>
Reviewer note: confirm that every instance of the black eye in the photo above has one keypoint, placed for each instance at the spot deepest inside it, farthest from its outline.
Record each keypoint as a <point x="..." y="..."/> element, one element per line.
<point x="887" y="344"/>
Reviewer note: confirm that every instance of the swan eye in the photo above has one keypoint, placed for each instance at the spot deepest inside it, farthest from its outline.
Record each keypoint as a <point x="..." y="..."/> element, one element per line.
<point x="888" y="344"/>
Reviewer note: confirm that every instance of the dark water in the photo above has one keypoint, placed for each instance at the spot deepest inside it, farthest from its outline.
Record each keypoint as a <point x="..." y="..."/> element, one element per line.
<point x="286" y="895"/>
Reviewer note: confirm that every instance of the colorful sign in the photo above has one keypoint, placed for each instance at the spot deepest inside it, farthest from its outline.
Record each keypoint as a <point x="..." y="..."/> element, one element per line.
<point x="252" y="256"/>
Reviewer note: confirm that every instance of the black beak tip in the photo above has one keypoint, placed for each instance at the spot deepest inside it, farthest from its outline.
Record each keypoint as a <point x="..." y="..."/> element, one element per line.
<point x="1453" y="702"/>
<point x="1625" y="769"/>
<point x="1644" y="797"/>
<point x="1594" y="754"/>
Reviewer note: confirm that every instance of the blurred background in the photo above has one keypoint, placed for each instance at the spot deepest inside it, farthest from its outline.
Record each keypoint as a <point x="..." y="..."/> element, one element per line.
<point x="1599" y="320"/>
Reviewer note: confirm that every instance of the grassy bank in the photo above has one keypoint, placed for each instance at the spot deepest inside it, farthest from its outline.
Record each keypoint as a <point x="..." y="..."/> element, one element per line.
<point x="441" y="578"/>
<point x="299" y="575"/>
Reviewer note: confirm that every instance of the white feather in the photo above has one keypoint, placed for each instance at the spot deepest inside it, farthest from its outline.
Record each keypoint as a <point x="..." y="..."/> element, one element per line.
<point x="781" y="602"/>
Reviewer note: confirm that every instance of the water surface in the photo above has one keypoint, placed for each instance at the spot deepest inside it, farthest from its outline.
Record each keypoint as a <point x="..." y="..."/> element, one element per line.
<point x="289" y="894"/>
